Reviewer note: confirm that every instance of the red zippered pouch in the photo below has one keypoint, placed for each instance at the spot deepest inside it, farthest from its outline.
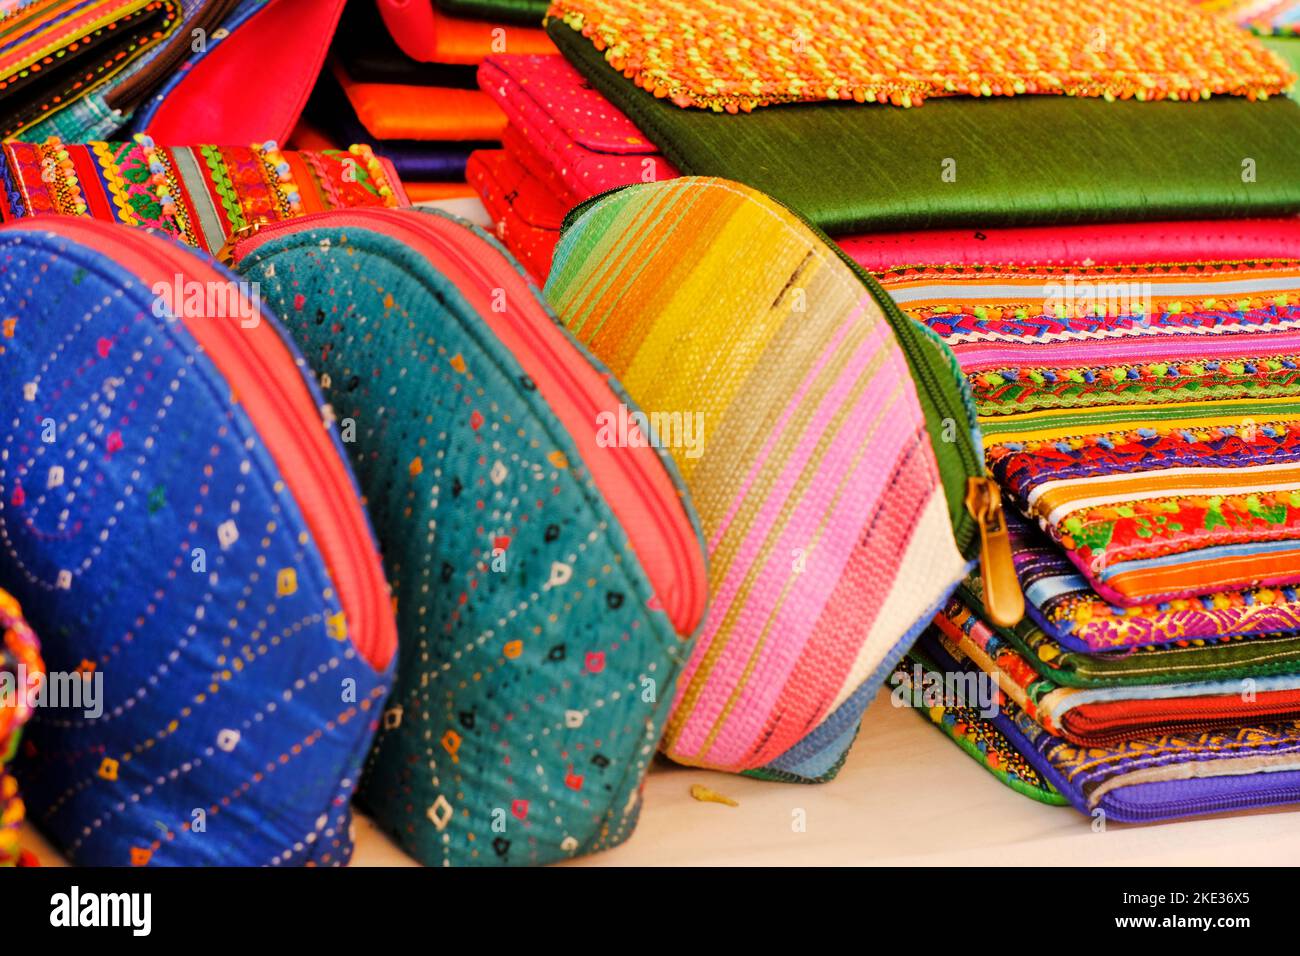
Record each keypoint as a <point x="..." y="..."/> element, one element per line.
<point x="527" y="215"/>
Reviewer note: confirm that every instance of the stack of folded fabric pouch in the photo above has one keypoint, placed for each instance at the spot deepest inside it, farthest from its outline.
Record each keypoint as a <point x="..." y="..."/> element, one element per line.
<point x="1152" y="510"/>
<point x="1124" y="315"/>
<point x="625" y="105"/>
<point x="401" y="76"/>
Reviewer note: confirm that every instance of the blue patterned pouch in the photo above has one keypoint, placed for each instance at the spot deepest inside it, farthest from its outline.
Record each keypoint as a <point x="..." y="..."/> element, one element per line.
<point x="183" y="530"/>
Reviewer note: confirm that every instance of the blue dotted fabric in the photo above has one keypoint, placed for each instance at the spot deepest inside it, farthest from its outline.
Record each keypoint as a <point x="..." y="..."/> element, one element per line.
<point x="154" y="548"/>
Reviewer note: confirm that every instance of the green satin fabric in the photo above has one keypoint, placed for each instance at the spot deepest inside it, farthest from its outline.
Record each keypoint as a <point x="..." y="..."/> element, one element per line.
<point x="1288" y="48"/>
<point x="1025" y="160"/>
<point x="531" y="12"/>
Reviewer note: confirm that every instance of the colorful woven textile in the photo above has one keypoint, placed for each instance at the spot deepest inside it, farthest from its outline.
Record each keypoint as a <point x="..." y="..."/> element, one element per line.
<point x="972" y="731"/>
<point x="1060" y="601"/>
<point x="810" y="458"/>
<point x="182" y="530"/>
<point x="546" y="584"/>
<point x="1281" y="17"/>
<point x="1102" y="244"/>
<point x="53" y="52"/>
<point x="1228" y="657"/>
<point x="1144" y="416"/>
<point x="89" y="116"/>
<point x="737" y="54"/>
<point x="20" y="665"/>
<point x="575" y="131"/>
<point x="202" y="195"/>
<point x="983" y="163"/>
<point x="1157" y="777"/>
<point x="1096" y="716"/>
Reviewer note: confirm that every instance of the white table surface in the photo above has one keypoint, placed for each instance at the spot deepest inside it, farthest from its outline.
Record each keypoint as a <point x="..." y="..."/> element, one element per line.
<point x="906" y="796"/>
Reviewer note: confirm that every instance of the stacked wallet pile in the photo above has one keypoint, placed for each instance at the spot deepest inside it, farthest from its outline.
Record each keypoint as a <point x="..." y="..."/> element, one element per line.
<point x="401" y="77"/>
<point x="1122" y="311"/>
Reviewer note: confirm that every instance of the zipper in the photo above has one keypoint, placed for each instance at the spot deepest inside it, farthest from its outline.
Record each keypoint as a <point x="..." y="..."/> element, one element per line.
<point x="136" y="88"/>
<point x="945" y="392"/>
<point x="260" y="370"/>
<point x="633" y="480"/>
<point x="1201" y="806"/>
<point x="1004" y="601"/>
<point x="1079" y="728"/>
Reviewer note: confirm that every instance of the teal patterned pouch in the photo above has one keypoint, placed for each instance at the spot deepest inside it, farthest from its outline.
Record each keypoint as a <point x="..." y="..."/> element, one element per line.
<point x="547" y="572"/>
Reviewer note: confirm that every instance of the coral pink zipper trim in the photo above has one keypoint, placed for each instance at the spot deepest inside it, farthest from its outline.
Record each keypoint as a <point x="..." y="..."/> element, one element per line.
<point x="262" y="374"/>
<point x="633" y="481"/>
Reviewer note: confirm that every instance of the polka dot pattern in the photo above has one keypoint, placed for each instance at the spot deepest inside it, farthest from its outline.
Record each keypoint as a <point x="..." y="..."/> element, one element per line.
<point x="577" y="133"/>
<point x="535" y="670"/>
<point x="153" y="543"/>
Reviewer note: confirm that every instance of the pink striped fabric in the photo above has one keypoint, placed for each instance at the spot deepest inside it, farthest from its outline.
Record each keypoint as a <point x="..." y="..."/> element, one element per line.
<point x="827" y="529"/>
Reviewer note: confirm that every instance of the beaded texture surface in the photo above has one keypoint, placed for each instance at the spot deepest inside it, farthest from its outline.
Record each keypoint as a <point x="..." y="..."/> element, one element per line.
<point x="738" y="54"/>
<point x="20" y="662"/>
<point x="155" y="546"/>
<point x="536" y="666"/>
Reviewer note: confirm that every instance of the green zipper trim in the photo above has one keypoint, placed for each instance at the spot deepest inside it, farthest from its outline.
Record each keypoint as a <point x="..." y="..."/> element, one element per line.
<point x="942" y="390"/>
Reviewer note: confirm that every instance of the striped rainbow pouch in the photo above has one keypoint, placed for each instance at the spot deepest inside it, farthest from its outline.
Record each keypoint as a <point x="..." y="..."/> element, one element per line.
<point x="807" y="418"/>
<point x="1146" y="417"/>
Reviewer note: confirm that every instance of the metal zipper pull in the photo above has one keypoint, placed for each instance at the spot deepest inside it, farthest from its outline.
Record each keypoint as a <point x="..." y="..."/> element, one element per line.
<point x="226" y="254"/>
<point x="1004" y="602"/>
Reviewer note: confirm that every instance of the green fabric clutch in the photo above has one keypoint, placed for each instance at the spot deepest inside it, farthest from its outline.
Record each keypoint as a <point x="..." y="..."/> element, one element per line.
<point x="1228" y="658"/>
<point x="987" y="162"/>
